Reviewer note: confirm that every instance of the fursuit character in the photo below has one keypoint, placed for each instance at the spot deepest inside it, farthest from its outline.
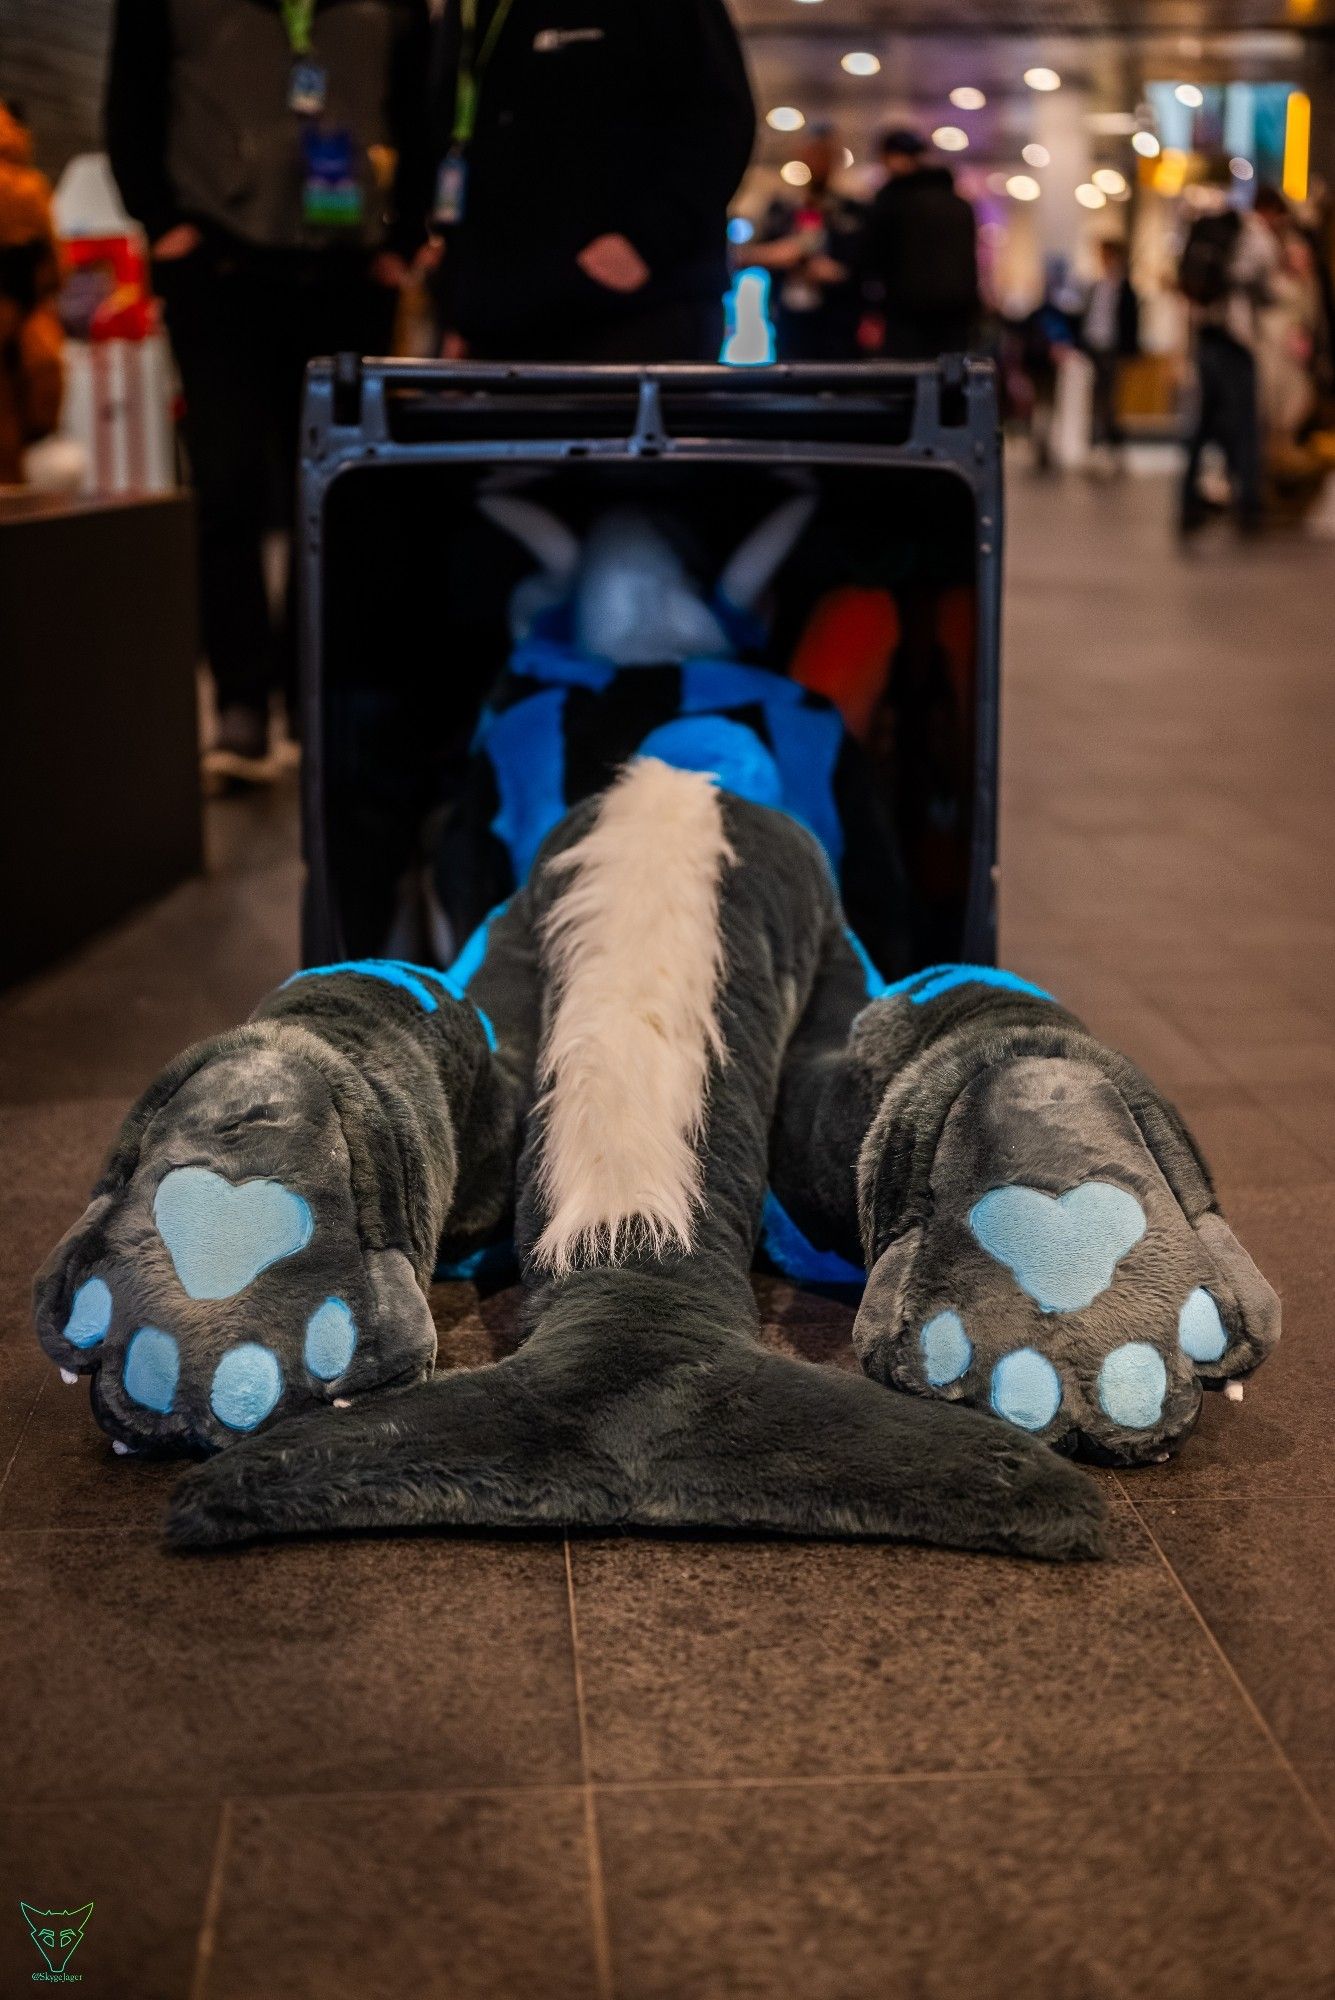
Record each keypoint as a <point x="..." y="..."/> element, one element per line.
<point x="664" y="1048"/>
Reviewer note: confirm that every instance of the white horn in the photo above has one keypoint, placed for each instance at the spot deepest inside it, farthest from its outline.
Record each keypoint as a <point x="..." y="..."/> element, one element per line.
<point x="752" y="566"/>
<point x="549" y="541"/>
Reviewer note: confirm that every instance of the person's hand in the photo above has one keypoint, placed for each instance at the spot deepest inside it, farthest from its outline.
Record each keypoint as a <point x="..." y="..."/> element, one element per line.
<point x="428" y="257"/>
<point x="823" y="270"/>
<point x="454" y="347"/>
<point x="614" y="262"/>
<point x="178" y="242"/>
<point x="388" y="269"/>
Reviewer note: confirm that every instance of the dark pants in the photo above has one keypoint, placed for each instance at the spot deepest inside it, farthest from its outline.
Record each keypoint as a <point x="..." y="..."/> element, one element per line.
<point x="1106" y="421"/>
<point x="1228" y="417"/>
<point x="685" y="330"/>
<point x="926" y="336"/>
<point x="242" y="333"/>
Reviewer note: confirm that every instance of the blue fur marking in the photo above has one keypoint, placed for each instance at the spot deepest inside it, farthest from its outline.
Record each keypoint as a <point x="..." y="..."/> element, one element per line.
<point x="152" y="1368"/>
<point x="491" y="1261"/>
<point x="1026" y="1389"/>
<point x="466" y="964"/>
<point x="710" y="685"/>
<point x="807" y="742"/>
<point x="526" y="747"/>
<point x="1132" y="1384"/>
<point x="246" y="1384"/>
<point x="1061" y="1249"/>
<point x="792" y="1253"/>
<point x="390" y="970"/>
<point x="221" y="1235"/>
<point x="726" y="751"/>
<point x="946" y="1349"/>
<point x="90" y="1314"/>
<point x="934" y="980"/>
<point x="1200" y="1330"/>
<point x="876" y="986"/>
<point x="559" y="663"/>
<point x="331" y="1337"/>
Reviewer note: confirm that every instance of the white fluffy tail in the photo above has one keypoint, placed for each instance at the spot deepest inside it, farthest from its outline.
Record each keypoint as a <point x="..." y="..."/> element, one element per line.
<point x="635" y="948"/>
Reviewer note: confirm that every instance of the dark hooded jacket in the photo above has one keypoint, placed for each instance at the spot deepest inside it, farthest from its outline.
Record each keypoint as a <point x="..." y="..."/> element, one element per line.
<point x="920" y="262"/>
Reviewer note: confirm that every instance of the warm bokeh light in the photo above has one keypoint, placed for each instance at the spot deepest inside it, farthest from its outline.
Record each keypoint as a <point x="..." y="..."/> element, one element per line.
<point x="796" y="172"/>
<point x="860" y="62"/>
<point x="1090" y="196"/>
<point x="1170" y="171"/>
<point x="1023" y="187"/>
<point x="1109" y="180"/>
<point x="785" y="118"/>
<point x="1146" y="145"/>
<point x="1041" y="78"/>
<point x="1035" y="155"/>
<point x="1297" y="145"/>
<point x="950" y="138"/>
<point x="965" y="97"/>
<point x="1191" y="95"/>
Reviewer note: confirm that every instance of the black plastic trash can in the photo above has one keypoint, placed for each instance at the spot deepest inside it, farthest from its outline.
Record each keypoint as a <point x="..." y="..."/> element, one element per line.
<point x="405" y="588"/>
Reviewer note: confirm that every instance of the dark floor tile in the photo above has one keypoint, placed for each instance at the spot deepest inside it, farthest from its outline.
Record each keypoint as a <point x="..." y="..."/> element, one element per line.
<point x="1319" y="1781"/>
<point x="354" y="1664"/>
<point x="1159" y="1886"/>
<point x="144" y="1868"/>
<point x="1245" y="1144"/>
<point x="1262" y="1574"/>
<point x="1277" y="1441"/>
<point x="1307" y="1110"/>
<point x="474" y="1896"/>
<point x="743" y="1659"/>
<point x="50" y="1156"/>
<point x="64" y="1473"/>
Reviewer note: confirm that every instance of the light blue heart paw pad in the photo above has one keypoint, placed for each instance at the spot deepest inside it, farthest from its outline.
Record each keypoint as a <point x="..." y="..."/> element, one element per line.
<point x="946" y="1349"/>
<point x="1061" y="1249"/>
<point x="1200" y="1331"/>
<point x="221" y="1236"/>
<point x="152" y="1368"/>
<point x="331" y="1336"/>
<point x="90" y="1314"/>
<point x="1026" y="1389"/>
<point x="246" y="1384"/>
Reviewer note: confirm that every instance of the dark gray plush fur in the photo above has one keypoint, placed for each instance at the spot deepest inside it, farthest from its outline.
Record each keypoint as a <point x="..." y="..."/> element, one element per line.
<point x="641" y="1395"/>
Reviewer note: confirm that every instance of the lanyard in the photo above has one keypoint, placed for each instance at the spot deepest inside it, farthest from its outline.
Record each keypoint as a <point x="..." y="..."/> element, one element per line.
<point x="297" y="18"/>
<point x="472" y="66"/>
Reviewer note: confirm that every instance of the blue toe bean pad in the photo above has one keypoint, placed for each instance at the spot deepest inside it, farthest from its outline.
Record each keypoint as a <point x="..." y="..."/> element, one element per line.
<point x="946" y="1349"/>
<point x="1062" y="1249"/>
<point x="90" y="1314"/>
<point x="1132" y="1384"/>
<point x="221" y="1236"/>
<point x="1200" y="1331"/>
<point x="152" y="1367"/>
<point x="331" y="1336"/>
<point x="246" y="1384"/>
<point x="1026" y="1389"/>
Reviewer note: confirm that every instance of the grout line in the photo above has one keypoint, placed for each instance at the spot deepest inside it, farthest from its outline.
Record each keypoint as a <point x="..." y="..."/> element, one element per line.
<point x="18" y="1442"/>
<point x="208" y="1927"/>
<point x="1249" y="1701"/>
<point x="602" y="1942"/>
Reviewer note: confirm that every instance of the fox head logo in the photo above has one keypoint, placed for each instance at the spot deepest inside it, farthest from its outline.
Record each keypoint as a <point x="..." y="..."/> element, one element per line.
<point x="56" y="1933"/>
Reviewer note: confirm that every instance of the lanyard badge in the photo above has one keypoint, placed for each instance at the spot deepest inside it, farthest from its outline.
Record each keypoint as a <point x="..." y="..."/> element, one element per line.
<point x="331" y="194"/>
<point x="452" y="177"/>
<point x="308" y="86"/>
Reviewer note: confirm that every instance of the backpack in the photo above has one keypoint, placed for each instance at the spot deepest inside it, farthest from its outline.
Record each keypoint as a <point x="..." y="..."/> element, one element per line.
<point x="1205" y="273"/>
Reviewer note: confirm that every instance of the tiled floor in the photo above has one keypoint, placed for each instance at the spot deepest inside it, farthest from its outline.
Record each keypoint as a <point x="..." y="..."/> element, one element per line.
<point x="677" y="1769"/>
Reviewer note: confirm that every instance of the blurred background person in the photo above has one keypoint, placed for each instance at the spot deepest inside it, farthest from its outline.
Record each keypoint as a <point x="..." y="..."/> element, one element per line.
<point x="587" y="159"/>
<point x="1293" y="335"/>
<point x="921" y="254"/>
<point x="811" y="241"/>
<point x="1228" y="260"/>
<point x="1110" y="335"/>
<point x="31" y="376"/>
<point x="275" y="153"/>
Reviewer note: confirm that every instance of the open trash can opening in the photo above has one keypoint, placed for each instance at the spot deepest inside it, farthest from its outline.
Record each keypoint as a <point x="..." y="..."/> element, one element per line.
<point x="435" y="499"/>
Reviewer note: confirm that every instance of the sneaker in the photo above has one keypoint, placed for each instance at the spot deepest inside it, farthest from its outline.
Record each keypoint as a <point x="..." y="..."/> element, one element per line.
<point x="240" y="748"/>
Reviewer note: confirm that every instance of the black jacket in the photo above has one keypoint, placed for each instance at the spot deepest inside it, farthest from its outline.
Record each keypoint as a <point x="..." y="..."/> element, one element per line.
<point x="156" y="84"/>
<point x="920" y="251"/>
<point x="593" y="117"/>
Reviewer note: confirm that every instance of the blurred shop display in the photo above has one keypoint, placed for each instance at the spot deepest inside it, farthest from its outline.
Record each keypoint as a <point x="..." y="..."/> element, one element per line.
<point x="120" y="389"/>
<point x="31" y="376"/>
